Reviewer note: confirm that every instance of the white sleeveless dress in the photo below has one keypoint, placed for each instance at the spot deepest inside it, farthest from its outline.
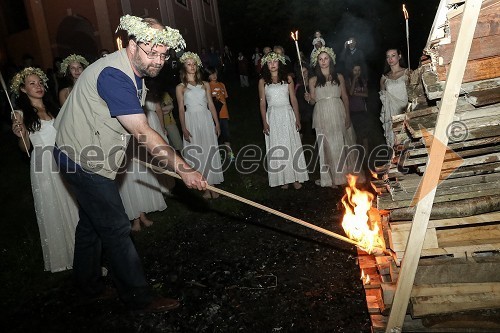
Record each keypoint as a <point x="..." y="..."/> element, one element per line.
<point x="56" y="209"/>
<point x="139" y="188"/>
<point x="285" y="157"/>
<point x="394" y="101"/>
<point x="334" y="140"/>
<point x="202" y="153"/>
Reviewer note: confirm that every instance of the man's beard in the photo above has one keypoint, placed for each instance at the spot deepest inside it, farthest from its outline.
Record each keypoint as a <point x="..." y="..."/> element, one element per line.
<point x="146" y="70"/>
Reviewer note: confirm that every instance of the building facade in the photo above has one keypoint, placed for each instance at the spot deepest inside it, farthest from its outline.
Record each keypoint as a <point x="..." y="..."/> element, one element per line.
<point x="56" y="28"/>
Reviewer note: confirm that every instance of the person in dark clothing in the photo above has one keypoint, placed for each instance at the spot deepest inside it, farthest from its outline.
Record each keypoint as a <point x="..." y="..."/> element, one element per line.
<point x="351" y="55"/>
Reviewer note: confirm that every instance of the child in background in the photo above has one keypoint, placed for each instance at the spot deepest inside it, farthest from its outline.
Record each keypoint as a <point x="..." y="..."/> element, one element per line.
<point x="174" y="137"/>
<point x="219" y="95"/>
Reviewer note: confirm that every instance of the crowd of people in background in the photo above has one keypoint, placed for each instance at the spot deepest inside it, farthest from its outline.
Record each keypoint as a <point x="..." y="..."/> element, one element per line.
<point x="312" y="99"/>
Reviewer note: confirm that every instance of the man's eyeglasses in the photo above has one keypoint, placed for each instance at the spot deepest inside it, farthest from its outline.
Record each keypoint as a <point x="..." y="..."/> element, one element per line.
<point x="154" y="55"/>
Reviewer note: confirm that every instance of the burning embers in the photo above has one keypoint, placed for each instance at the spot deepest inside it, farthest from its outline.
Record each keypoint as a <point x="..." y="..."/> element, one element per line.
<point x="360" y="220"/>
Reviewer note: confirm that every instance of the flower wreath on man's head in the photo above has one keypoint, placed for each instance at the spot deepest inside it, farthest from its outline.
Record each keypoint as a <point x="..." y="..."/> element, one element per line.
<point x="316" y="53"/>
<point x="142" y="32"/>
<point x="191" y="55"/>
<point x="21" y="76"/>
<point x="272" y="56"/>
<point x="72" y="58"/>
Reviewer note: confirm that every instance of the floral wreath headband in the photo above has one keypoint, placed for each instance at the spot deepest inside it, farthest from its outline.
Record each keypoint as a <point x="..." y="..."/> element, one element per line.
<point x="137" y="27"/>
<point x="273" y="56"/>
<point x="316" y="53"/>
<point x="190" y="55"/>
<point x="21" y="76"/>
<point x="70" y="59"/>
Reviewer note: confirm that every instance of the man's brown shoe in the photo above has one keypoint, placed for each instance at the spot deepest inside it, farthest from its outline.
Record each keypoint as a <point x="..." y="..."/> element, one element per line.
<point x="161" y="304"/>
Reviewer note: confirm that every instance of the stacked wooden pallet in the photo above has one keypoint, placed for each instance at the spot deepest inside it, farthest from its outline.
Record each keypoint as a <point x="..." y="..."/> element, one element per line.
<point x="457" y="284"/>
<point x="449" y="294"/>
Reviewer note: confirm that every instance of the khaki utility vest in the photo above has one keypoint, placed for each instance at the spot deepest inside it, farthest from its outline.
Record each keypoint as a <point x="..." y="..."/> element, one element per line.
<point x="86" y="132"/>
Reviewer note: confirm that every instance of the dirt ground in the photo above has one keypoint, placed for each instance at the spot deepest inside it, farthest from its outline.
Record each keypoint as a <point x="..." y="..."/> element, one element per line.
<point x="239" y="271"/>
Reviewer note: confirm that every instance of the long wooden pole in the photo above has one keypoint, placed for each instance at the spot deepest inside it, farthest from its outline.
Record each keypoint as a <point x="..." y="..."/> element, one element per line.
<point x="257" y="205"/>
<point x="12" y="112"/>
<point x="427" y="190"/>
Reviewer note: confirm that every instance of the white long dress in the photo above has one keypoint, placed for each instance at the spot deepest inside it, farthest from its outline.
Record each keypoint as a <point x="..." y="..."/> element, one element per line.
<point x="165" y="182"/>
<point x="285" y="156"/>
<point x="334" y="140"/>
<point x="139" y="188"/>
<point x="202" y="153"/>
<point x="56" y="210"/>
<point x="394" y="101"/>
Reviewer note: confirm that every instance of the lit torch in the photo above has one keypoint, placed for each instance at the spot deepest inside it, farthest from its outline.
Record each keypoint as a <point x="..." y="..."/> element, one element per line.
<point x="119" y="44"/>
<point x="12" y="112"/>
<point x="405" y="13"/>
<point x="295" y="37"/>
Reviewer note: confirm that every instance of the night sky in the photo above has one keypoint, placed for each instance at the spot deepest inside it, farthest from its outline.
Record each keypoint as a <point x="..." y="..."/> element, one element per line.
<point x="377" y="24"/>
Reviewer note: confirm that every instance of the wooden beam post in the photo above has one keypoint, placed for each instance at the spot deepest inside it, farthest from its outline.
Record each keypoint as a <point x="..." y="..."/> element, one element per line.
<point x="431" y="177"/>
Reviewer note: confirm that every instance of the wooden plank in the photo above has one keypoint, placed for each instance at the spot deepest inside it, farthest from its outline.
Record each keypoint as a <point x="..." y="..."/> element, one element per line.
<point x="407" y="188"/>
<point x="450" y="237"/>
<point x="388" y="203"/>
<point x="463" y="250"/>
<point x="488" y="158"/>
<point x="383" y="264"/>
<point x="479" y="69"/>
<point x="442" y="289"/>
<point x="449" y="323"/>
<point x="454" y="209"/>
<point x="484" y="97"/>
<point x="459" y="221"/>
<point x="430" y="305"/>
<point x="388" y="290"/>
<point x="434" y="87"/>
<point x="431" y="178"/>
<point x="471" y="234"/>
<point x="399" y="239"/>
<point x="468" y="126"/>
<point x="482" y="47"/>
<point x="452" y="270"/>
<point x="456" y="146"/>
<point x="487" y="24"/>
<point x="476" y="170"/>
<point x="464" y="112"/>
<point x="407" y="162"/>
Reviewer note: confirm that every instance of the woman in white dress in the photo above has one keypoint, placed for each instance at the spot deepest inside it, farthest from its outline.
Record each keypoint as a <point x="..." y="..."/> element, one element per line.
<point x="334" y="132"/>
<point x="199" y="122"/>
<point x="140" y="188"/>
<point x="393" y="92"/>
<point x="56" y="210"/>
<point x="281" y="121"/>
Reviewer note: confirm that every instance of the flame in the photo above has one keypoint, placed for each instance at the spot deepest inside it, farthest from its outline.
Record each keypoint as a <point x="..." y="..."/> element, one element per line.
<point x="356" y="222"/>
<point x="405" y="12"/>
<point x="119" y="44"/>
<point x="295" y="36"/>
<point x="365" y="277"/>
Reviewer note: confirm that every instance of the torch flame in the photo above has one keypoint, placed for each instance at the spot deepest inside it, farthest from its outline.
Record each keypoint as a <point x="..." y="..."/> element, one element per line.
<point x="295" y="36"/>
<point x="356" y="222"/>
<point x="405" y="12"/>
<point x="119" y="44"/>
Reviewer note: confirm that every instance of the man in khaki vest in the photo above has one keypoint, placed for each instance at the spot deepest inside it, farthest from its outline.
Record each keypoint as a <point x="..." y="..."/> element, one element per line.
<point x="94" y="124"/>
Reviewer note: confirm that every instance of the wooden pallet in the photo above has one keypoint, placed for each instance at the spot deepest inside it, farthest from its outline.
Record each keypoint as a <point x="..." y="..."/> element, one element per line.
<point x="460" y="304"/>
<point x="457" y="237"/>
